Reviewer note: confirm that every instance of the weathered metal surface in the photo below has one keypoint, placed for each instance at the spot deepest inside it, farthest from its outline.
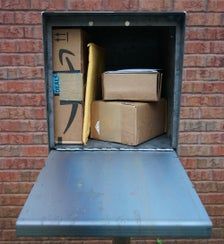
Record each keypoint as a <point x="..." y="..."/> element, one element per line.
<point x="113" y="194"/>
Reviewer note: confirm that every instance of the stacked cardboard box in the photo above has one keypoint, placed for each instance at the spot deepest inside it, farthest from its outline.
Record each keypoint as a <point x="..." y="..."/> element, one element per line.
<point x="128" y="121"/>
<point x="69" y="69"/>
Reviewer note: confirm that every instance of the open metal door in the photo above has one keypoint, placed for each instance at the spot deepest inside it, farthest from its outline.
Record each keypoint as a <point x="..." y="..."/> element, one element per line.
<point x="113" y="194"/>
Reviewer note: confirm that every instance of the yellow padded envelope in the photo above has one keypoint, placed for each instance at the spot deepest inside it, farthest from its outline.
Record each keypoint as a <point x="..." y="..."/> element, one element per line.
<point x="93" y="84"/>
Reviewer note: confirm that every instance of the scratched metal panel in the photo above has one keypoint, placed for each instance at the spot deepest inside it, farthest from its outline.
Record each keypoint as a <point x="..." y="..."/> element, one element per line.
<point x="113" y="193"/>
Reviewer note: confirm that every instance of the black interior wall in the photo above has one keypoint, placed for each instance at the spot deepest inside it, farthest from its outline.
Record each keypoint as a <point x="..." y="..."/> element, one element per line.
<point x="140" y="47"/>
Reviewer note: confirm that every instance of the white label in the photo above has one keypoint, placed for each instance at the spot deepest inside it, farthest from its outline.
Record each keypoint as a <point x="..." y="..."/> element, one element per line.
<point x="97" y="127"/>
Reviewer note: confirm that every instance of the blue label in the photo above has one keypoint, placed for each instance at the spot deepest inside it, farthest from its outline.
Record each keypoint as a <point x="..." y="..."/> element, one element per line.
<point x="56" y="84"/>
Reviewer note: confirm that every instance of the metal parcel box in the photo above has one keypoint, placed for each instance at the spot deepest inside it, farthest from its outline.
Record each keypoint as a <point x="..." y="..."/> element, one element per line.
<point x="111" y="190"/>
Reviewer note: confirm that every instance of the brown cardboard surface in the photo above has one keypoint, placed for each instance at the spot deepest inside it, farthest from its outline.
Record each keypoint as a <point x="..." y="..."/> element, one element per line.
<point x="62" y="114"/>
<point x="71" y="86"/>
<point x="127" y="122"/>
<point x="132" y="87"/>
<point x="69" y="50"/>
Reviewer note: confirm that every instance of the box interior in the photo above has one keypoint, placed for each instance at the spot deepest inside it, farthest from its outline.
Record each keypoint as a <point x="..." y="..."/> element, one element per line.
<point x="137" y="47"/>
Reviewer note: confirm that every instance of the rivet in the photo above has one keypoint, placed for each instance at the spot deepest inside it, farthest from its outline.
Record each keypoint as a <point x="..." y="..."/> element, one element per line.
<point x="127" y="23"/>
<point x="91" y="23"/>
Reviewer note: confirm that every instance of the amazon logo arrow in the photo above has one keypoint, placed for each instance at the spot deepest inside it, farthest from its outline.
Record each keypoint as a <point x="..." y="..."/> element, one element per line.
<point x="62" y="53"/>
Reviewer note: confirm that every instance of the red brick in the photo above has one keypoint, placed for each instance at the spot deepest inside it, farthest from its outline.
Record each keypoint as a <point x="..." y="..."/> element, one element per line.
<point x="190" y="100"/>
<point x="206" y="187"/>
<point x="206" y="19"/>
<point x="212" y="163"/>
<point x="217" y="233"/>
<point x="117" y="5"/>
<point x="216" y="5"/>
<point x="6" y="17"/>
<point x="9" y="212"/>
<point x="204" y="74"/>
<point x="13" y="138"/>
<point x="18" y="176"/>
<point x="85" y="5"/>
<point x="22" y="100"/>
<point x="202" y="33"/>
<point x="217" y="87"/>
<point x="17" y="59"/>
<point x="187" y="138"/>
<point x="218" y="174"/>
<point x="29" y="73"/>
<point x="29" y="176"/>
<point x="189" y="163"/>
<point x="202" y="100"/>
<point x="40" y="151"/>
<point x="217" y="47"/>
<point x="201" y="150"/>
<point x="192" y="60"/>
<point x="34" y="32"/>
<point x="217" y="150"/>
<point x="27" y="17"/>
<point x="215" y="210"/>
<point x="8" y="46"/>
<point x="212" y="112"/>
<point x="8" y="235"/>
<point x="159" y="5"/>
<point x="211" y="198"/>
<point x="201" y="125"/>
<point x="201" y="87"/>
<point x="39" y="59"/>
<point x="199" y="175"/>
<point x="8" y="176"/>
<point x="22" y="113"/>
<point x="32" y="46"/>
<point x="220" y="186"/>
<point x="18" y="4"/>
<point x="12" y="200"/>
<point x="212" y="138"/>
<point x="3" y="74"/>
<point x="23" y="125"/>
<point x="212" y="100"/>
<point x="17" y="187"/>
<point x="24" y="151"/>
<point x="22" y="86"/>
<point x="21" y="163"/>
<point x="197" y="47"/>
<point x="190" y="5"/>
<point x="215" y="61"/>
<point x="11" y="32"/>
<point x="190" y="113"/>
<point x="14" y="72"/>
<point x="7" y="223"/>
<point x="218" y="221"/>
<point x="48" y="4"/>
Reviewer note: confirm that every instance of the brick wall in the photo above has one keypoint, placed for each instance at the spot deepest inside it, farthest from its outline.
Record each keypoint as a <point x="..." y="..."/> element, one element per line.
<point x="23" y="135"/>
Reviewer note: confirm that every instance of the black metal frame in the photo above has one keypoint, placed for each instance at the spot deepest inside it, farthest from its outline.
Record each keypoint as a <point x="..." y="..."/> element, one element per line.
<point x="138" y="19"/>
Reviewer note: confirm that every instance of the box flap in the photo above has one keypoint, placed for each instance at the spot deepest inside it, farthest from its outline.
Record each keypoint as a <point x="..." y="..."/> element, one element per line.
<point x="113" y="193"/>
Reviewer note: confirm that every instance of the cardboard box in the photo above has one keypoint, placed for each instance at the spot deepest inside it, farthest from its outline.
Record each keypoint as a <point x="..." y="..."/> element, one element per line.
<point x="69" y="86"/>
<point x="68" y="121"/>
<point x="68" y="108"/>
<point x="127" y="122"/>
<point x="132" y="86"/>
<point x="69" y="50"/>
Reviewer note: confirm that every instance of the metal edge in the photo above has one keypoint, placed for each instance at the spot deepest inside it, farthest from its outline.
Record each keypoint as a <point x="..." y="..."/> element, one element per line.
<point x="179" y="56"/>
<point x="47" y="70"/>
<point x="175" y="231"/>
